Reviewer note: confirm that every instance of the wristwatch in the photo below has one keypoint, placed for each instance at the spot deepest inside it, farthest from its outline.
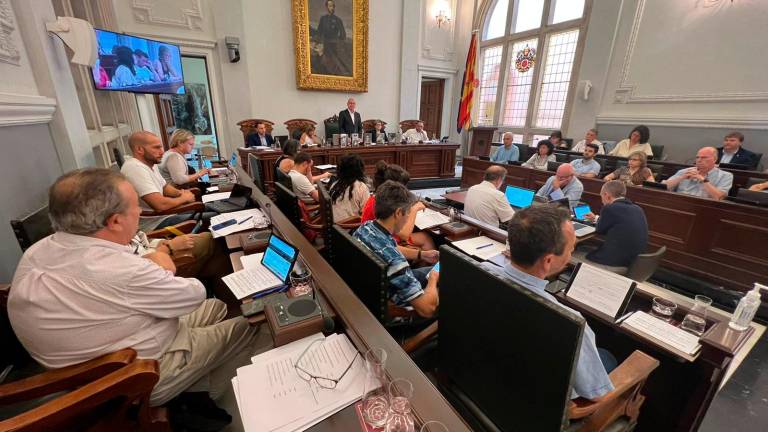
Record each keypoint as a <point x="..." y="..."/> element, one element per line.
<point x="706" y="180"/>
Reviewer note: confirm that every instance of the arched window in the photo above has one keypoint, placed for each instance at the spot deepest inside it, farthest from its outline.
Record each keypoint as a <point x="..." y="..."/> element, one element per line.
<point x="528" y="52"/>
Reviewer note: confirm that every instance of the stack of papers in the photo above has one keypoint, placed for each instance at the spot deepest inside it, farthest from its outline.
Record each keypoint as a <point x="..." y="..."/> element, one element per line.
<point x="272" y="397"/>
<point x="481" y="247"/>
<point x="430" y="218"/>
<point x="252" y="279"/>
<point x="664" y="332"/>
<point x="244" y="220"/>
<point x="325" y="167"/>
<point x="218" y="196"/>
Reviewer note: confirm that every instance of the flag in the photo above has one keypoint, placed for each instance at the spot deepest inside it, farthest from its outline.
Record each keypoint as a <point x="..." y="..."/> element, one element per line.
<point x="464" y="119"/>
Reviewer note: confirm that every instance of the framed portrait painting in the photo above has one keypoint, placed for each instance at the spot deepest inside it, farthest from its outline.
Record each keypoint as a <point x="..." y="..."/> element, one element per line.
<point x="331" y="44"/>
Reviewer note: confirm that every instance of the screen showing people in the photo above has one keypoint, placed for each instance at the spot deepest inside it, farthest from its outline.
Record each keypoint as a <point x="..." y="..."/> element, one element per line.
<point x="129" y="63"/>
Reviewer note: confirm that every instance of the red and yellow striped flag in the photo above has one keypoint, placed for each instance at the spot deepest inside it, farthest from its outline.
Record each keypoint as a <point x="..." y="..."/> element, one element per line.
<point x="464" y="119"/>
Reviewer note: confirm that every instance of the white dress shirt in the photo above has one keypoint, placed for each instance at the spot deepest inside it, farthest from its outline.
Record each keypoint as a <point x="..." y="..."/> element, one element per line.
<point x="488" y="204"/>
<point x="76" y="297"/>
<point x="352" y="115"/>
<point x="416" y="136"/>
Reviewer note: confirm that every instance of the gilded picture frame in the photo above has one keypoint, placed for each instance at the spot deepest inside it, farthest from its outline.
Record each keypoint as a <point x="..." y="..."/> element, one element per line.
<point x="331" y="44"/>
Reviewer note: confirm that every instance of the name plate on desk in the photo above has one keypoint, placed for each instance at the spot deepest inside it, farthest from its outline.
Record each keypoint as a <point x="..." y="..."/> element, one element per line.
<point x="601" y="290"/>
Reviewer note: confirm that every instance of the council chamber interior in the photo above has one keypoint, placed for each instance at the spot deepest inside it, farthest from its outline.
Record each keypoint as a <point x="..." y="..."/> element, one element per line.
<point x="400" y="215"/>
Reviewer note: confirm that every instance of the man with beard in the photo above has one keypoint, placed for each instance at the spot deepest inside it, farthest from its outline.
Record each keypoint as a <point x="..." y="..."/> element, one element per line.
<point x="331" y="33"/>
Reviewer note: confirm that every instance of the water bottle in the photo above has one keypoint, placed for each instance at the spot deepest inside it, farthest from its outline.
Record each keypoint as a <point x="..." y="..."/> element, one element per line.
<point x="277" y="143"/>
<point x="746" y="309"/>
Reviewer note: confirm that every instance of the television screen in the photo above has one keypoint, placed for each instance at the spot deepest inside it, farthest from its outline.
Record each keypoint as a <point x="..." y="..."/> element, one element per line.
<point x="130" y="63"/>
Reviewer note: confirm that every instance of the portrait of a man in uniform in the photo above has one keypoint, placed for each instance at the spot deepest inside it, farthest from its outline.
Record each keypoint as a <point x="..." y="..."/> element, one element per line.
<point x="331" y="48"/>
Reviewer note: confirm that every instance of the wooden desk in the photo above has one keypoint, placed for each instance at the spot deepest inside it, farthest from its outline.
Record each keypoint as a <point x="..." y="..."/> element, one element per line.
<point x="721" y="242"/>
<point x="363" y="330"/>
<point x="421" y="160"/>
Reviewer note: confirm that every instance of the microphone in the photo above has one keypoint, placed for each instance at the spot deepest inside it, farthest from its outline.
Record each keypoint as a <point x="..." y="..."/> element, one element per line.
<point x="434" y="203"/>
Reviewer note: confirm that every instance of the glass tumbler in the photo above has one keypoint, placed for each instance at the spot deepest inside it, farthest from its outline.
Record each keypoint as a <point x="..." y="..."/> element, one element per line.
<point x="696" y="320"/>
<point x="663" y="309"/>
<point x="375" y="398"/>
<point x="400" y="418"/>
<point x="301" y="284"/>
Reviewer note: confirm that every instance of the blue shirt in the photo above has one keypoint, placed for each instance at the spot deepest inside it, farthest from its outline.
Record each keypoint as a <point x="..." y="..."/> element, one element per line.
<point x="591" y="380"/>
<point x="581" y="167"/>
<point x="403" y="286"/>
<point x="503" y="154"/>
<point x="572" y="190"/>
<point x="722" y="180"/>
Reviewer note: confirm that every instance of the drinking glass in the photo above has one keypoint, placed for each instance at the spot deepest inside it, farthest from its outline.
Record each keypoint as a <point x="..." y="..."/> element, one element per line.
<point x="399" y="418"/>
<point x="695" y="321"/>
<point x="301" y="284"/>
<point x="433" y="426"/>
<point x="663" y="309"/>
<point x="375" y="397"/>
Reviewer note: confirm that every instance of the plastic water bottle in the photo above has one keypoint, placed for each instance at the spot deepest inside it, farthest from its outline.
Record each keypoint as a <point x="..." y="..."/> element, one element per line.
<point x="277" y="143"/>
<point x="746" y="309"/>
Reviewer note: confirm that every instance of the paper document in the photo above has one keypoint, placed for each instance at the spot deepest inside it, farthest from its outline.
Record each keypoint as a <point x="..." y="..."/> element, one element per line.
<point x="212" y="189"/>
<point x="271" y="395"/>
<point x="216" y="196"/>
<point x="664" y="332"/>
<point x="253" y="278"/>
<point x="429" y="218"/>
<point x="481" y="247"/>
<point x="257" y="220"/>
<point x="600" y="289"/>
<point x="325" y="167"/>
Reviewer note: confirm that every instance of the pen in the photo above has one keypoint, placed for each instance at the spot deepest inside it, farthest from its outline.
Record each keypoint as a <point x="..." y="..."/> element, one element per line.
<point x="245" y="220"/>
<point x="484" y="246"/>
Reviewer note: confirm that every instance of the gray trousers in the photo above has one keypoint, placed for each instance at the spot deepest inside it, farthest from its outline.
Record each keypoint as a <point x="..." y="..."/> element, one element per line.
<point x="206" y="352"/>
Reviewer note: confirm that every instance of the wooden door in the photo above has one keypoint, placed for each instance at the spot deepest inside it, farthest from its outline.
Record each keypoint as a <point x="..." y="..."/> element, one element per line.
<point x="431" y="107"/>
<point x="164" y="107"/>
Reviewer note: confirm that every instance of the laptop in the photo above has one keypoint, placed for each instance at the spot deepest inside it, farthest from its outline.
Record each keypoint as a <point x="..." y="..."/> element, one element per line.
<point x="655" y="185"/>
<point x="277" y="262"/>
<point x="746" y="196"/>
<point x="519" y="198"/>
<point x="580" y="211"/>
<point x="230" y="166"/>
<point x="238" y="200"/>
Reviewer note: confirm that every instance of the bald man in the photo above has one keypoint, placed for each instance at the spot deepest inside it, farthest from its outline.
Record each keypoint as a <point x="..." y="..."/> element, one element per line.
<point x="156" y="194"/>
<point x="350" y="121"/>
<point x="486" y="202"/>
<point x="507" y="152"/>
<point x="705" y="180"/>
<point x="563" y="184"/>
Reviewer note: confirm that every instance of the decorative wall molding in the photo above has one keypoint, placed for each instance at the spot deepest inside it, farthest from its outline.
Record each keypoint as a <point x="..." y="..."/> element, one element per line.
<point x="712" y="122"/>
<point x="18" y="109"/>
<point x="191" y="17"/>
<point x="184" y="42"/>
<point x="430" y="31"/>
<point x="9" y="52"/>
<point x="626" y="92"/>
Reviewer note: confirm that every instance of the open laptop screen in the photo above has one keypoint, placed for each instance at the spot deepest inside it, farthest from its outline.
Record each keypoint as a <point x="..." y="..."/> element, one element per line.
<point x="519" y="197"/>
<point x="279" y="257"/>
<point x="233" y="160"/>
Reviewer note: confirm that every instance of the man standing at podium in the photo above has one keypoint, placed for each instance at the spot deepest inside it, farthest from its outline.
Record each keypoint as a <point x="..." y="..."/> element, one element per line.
<point x="350" y="121"/>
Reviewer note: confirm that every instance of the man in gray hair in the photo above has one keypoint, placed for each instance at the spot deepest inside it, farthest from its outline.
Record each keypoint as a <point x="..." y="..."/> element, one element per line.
<point x="82" y="293"/>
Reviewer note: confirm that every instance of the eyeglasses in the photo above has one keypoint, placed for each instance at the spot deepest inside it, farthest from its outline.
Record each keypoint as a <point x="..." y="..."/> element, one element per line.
<point x="323" y="382"/>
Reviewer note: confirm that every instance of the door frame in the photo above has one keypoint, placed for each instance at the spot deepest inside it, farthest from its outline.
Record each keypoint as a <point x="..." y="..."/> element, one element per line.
<point x="449" y="75"/>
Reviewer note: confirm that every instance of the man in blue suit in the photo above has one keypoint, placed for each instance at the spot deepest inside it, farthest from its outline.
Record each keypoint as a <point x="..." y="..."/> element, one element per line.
<point x="733" y="153"/>
<point x="260" y="138"/>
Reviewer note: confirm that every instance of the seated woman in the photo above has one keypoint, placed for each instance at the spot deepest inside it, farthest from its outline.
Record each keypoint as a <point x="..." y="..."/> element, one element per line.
<point x="378" y="134"/>
<point x="349" y="192"/>
<point x="285" y="162"/>
<point x="635" y="173"/>
<point x="416" y="246"/>
<point x="125" y="73"/>
<point x="173" y="166"/>
<point x="309" y="137"/>
<point x="556" y="138"/>
<point x="637" y="141"/>
<point x="544" y="155"/>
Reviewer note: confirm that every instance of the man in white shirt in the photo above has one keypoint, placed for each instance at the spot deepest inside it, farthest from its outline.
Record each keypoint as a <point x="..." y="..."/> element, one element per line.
<point x="82" y="293"/>
<point x="417" y="134"/>
<point x="300" y="175"/>
<point x="486" y="202"/>
<point x="156" y="194"/>
<point x="589" y="138"/>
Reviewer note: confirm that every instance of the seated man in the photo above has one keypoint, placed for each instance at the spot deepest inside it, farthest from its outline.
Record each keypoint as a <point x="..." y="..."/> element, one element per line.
<point x="733" y="152"/>
<point x="507" y="152"/>
<point x="82" y="293"/>
<point x="587" y="166"/>
<point x="486" y="202"/>
<point x="541" y="240"/>
<point x="622" y="225"/>
<point x="563" y="184"/>
<point x="394" y="203"/>
<point x="704" y="180"/>
<point x="156" y="194"/>
<point x="417" y="134"/>
<point x="260" y="137"/>
<point x="589" y="138"/>
<point x="302" y="179"/>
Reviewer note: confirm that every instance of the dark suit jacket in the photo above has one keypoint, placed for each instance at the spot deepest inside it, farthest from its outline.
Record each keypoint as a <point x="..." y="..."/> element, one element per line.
<point x="625" y="233"/>
<point x="346" y="126"/>
<point x="374" y="135"/>
<point x="254" y="140"/>
<point x="742" y="157"/>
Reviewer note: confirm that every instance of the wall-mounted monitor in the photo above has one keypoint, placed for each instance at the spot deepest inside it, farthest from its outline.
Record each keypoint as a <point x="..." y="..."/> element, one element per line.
<point x="130" y="63"/>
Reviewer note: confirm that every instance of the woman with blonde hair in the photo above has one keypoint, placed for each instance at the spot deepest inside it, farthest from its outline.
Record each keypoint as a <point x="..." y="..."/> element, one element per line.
<point x="308" y="137"/>
<point x="635" y="173"/>
<point x="173" y="166"/>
